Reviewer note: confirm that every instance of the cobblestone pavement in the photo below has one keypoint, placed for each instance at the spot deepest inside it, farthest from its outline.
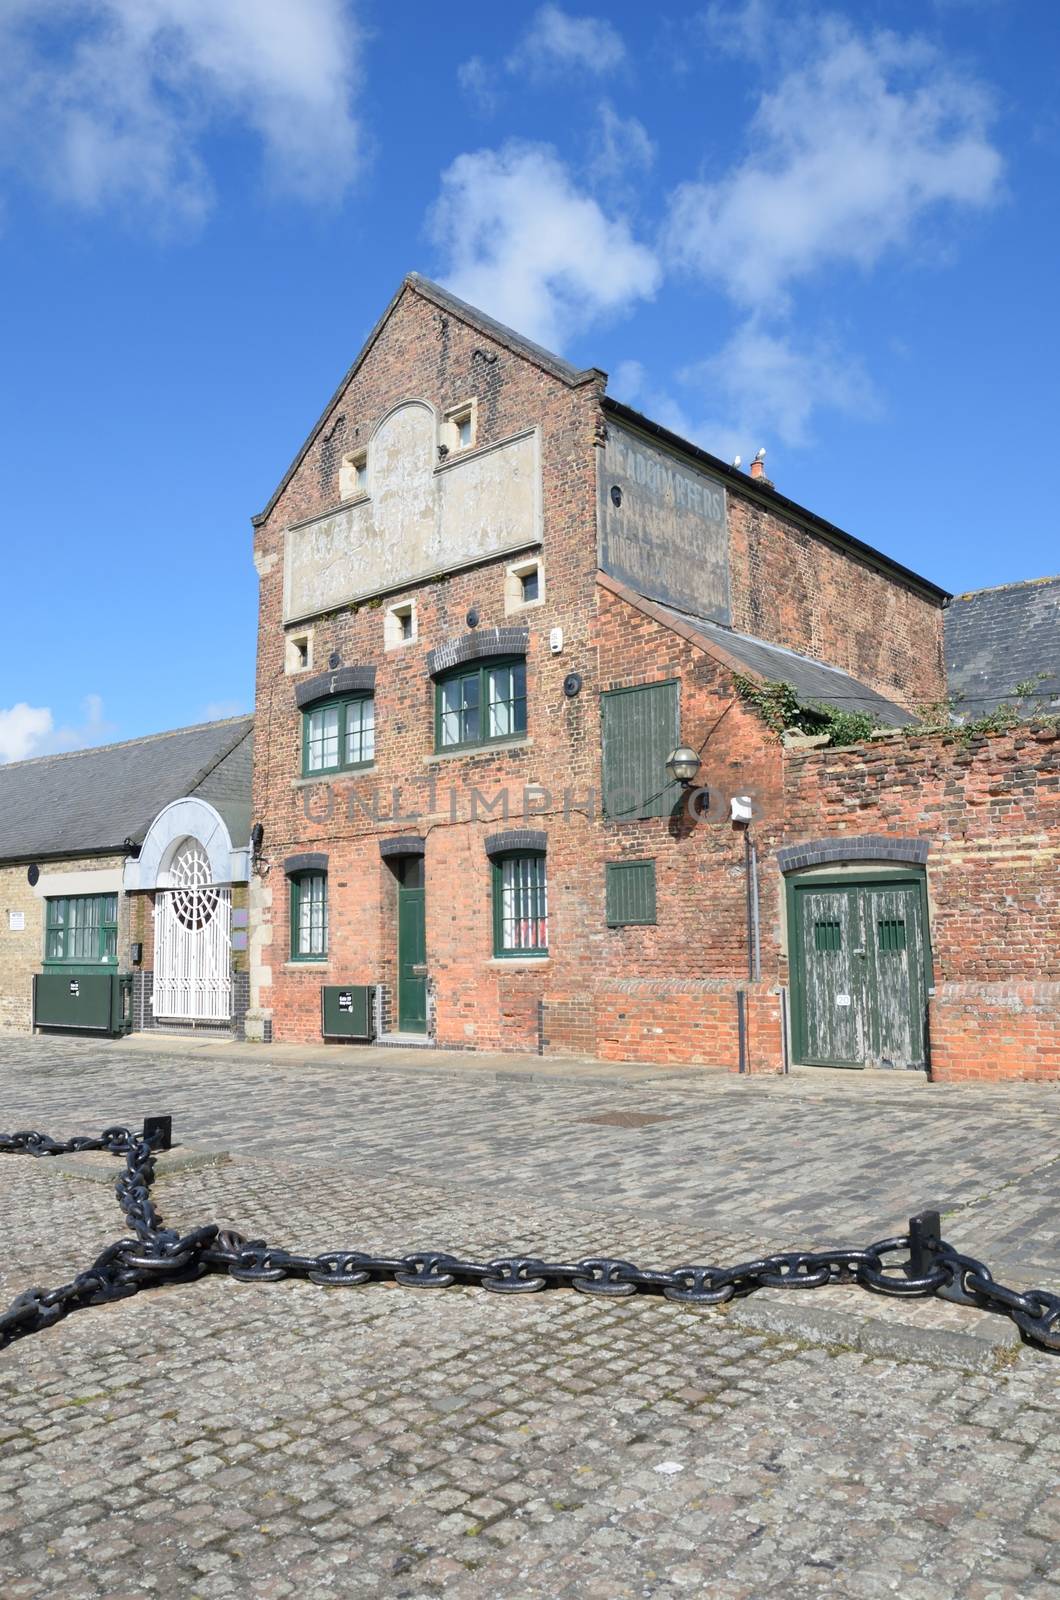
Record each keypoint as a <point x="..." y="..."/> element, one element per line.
<point x="221" y="1439"/>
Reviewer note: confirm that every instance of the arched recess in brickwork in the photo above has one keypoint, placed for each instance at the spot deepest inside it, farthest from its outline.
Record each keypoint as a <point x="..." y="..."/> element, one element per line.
<point x="179" y="821"/>
<point x="881" y="848"/>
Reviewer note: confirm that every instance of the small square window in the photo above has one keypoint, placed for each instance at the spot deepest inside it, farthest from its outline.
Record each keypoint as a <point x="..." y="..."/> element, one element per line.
<point x="524" y="585"/>
<point x="459" y="430"/>
<point x="298" y="652"/>
<point x="399" y="625"/>
<point x="353" y="475"/>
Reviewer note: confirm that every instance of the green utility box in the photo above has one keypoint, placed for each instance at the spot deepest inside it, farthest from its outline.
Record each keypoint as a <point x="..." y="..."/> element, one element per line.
<point x="86" y="1002"/>
<point x="346" y="1010"/>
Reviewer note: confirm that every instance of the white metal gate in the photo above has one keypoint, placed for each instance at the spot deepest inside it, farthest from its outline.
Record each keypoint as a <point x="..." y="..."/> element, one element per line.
<point x="193" y="943"/>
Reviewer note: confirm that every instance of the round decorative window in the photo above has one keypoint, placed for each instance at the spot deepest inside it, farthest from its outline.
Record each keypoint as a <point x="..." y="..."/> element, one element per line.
<point x="195" y="900"/>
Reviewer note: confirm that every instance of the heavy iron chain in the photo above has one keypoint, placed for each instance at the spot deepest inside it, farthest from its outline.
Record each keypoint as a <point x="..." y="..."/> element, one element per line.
<point x="156" y="1254"/>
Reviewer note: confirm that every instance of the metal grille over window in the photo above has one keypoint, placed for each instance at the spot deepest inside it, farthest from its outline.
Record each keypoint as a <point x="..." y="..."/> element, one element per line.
<point x="524" y="904"/>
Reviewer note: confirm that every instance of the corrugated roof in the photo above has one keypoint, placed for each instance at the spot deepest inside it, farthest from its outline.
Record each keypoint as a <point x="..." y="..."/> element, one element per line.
<point x="89" y="801"/>
<point x="812" y="681"/>
<point x="997" y="638"/>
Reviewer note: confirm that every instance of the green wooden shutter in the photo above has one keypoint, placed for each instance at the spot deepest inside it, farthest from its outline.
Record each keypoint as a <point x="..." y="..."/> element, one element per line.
<point x="630" y="892"/>
<point x="640" y="730"/>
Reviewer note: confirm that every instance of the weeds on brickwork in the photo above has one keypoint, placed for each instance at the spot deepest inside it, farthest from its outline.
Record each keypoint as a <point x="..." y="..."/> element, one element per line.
<point x="779" y="706"/>
<point x="950" y="714"/>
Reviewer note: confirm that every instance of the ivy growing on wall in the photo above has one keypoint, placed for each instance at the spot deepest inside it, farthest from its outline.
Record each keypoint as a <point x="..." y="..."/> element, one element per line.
<point x="779" y="706"/>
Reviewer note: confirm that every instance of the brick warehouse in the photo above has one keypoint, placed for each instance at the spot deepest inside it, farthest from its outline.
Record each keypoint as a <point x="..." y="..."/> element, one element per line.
<point x="493" y="602"/>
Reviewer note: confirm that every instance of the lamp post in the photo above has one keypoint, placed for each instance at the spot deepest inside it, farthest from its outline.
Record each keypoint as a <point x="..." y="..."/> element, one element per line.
<point x="683" y="765"/>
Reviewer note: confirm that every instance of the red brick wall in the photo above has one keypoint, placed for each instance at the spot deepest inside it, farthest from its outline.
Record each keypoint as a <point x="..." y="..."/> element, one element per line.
<point x="990" y="808"/>
<point x="795" y="588"/>
<point x="690" y="1021"/>
<point x="995" y="1032"/>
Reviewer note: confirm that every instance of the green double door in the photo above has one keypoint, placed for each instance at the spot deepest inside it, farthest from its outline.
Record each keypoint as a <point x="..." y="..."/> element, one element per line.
<point x="858" y="973"/>
<point x="412" y="947"/>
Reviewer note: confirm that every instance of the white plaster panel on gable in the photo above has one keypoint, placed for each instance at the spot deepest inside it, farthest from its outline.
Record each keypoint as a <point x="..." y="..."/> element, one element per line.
<point x="420" y="518"/>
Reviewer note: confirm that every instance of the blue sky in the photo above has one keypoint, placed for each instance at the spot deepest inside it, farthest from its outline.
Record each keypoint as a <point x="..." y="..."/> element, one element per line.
<point x="829" y="230"/>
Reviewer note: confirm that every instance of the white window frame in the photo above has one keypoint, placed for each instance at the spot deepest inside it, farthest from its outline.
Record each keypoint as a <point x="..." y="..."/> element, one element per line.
<point x="466" y="411"/>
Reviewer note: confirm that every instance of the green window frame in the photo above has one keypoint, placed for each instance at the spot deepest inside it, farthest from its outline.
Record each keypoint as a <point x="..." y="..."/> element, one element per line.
<point x="630" y="895"/>
<point x="338" y="735"/>
<point x="309" y="916"/>
<point x="520" y="904"/>
<point x="481" y="704"/>
<point x="81" y="929"/>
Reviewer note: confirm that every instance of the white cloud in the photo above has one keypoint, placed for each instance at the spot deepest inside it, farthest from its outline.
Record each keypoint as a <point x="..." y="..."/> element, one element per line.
<point x="621" y="149"/>
<point x="853" y="146"/>
<point x="763" y="385"/>
<point x="556" y="43"/>
<point x="479" y="83"/>
<point x="107" y="102"/>
<point x="526" y="245"/>
<point x="27" y="730"/>
<point x="22" y="729"/>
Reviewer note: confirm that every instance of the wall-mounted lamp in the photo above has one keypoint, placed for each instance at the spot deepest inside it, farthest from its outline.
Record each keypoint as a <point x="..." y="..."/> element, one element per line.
<point x="683" y="765"/>
<point x="257" y="834"/>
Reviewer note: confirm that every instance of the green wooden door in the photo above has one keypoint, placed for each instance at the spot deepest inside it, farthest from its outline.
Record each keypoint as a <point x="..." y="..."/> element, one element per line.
<point x="412" y="947"/>
<point x="858" y="963"/>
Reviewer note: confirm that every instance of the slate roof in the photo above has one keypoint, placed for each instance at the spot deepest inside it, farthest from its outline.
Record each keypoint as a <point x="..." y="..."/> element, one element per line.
<point x="996" y="638"/>
<point x="88" y="802"/>
<point x="812" y="681"/>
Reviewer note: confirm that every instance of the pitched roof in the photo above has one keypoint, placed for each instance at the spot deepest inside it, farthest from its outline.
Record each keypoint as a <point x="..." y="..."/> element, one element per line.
<point x="813" y="681"/>
<point x="87" y="802"/>
<point x="760" y="489"/>
<point x="442" y="298"/>
<point x="997" y="638"/>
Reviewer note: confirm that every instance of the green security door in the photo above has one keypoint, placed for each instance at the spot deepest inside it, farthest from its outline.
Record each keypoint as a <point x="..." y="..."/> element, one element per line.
<point x="858" y="972"/>
<point x="412" y="947"/>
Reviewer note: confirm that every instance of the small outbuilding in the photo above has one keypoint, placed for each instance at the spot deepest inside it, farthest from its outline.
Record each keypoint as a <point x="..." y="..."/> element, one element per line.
<point x="123" y="884"/>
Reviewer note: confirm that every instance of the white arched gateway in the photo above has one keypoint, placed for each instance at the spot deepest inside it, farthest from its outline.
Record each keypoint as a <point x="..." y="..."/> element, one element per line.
<point x="188" y="861"/>
<point x="193" y="940"/>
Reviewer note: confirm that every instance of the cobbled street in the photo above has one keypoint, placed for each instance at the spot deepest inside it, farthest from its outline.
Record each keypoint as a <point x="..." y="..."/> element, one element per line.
<point x="222" y="1439"/>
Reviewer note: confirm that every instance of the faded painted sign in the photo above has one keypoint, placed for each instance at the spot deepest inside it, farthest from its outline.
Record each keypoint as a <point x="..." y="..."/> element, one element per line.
<point x="418" y="517"/>
<point x="662" y="525"/>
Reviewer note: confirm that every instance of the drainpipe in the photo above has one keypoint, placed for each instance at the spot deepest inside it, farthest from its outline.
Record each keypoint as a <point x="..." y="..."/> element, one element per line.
<point x="754" y="938"/>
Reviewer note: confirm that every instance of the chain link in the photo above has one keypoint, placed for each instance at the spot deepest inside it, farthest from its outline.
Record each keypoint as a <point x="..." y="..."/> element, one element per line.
<point x="157" y="1254"/>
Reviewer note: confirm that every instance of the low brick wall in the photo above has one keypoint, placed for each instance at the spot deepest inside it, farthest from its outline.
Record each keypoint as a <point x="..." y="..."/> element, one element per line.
<point x="995" y="1032"/>
<point x="669" y="1021"/>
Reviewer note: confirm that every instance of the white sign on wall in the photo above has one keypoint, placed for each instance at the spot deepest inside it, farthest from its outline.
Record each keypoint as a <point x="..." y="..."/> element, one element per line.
<point x="419" y="517"/>
<point x="16" y="921"/>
